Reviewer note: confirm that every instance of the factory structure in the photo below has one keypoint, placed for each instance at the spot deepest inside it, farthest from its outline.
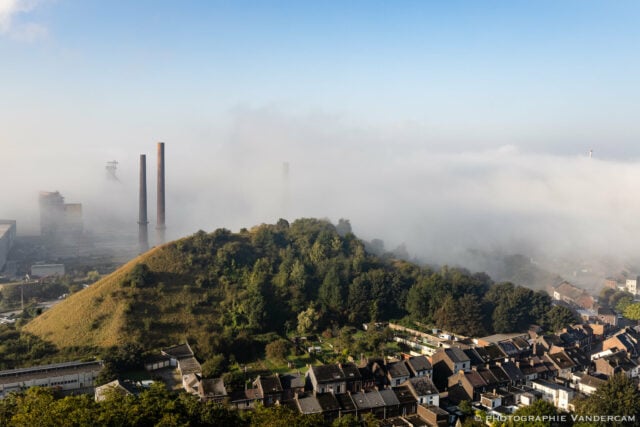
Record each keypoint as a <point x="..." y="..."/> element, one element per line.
<point x="63" y="238"/>
<point x="59" y="221"/>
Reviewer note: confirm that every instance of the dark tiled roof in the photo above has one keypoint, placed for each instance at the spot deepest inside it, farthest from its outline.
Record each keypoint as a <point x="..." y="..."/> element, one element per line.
<point x="484" y="355"/>
<point x="512" y="371"/>
<point x="620" y="360"/>
<point x="397" y="370"/>
<point x="423" y="386"/>
<point x="368" y="400"/>
<point x="521" y="343"/>
<point x="351" y="371"/>
<point x="475" y="379"/>
<point x="389" y="397"/>
<point x="487" y="376"/>
<point x="419" y="363"/>
<point x="345" y="402"/>
<point x="404" y="395"/>
<point x="213" y="387"/>
<point x="578" y="356"/>
<point x="189" y="365"/>
<point x="179" y="351"/>
<point x="270" y="384"/>
<point x="494" y="352"/>
<point x="508" y="348"/>
<point x="457" y="355"/>
<point x="328" y="402"/>
<point x="499" y="374"/>
<point x="292" y="381"/>
<point x="309" y="405"/>
<point x="328" y="373"/>
<point x="561" y="360"/>
<point x="475" y="358"/>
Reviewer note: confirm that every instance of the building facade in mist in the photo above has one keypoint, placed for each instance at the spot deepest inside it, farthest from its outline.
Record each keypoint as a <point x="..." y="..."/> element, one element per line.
<point x="59" y="221"/>
<point x="7" y="238"/>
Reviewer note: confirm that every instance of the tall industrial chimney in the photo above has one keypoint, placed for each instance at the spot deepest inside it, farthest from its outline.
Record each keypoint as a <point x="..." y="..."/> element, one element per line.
<point x="160" y="226"/>
<point x="143" y="234"/>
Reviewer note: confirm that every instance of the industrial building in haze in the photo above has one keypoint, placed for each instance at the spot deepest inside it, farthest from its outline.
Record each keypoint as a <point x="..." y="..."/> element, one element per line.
<point x="7" y="238"/>
<point x="57" y="218"/>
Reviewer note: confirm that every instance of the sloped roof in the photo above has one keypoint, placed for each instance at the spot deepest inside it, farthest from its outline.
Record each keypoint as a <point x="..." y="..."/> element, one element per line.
<point x="512" y="371"/>
<point x="423" y="386"/>
<point x="487" y="376"/>
<point x="397" y="370"/>
<point x="292" y="381"/>
<point x="570" y="291"/>
<point x="189" y="365"/>
<point x="475" y="379"/>
<point x="592" y="381"/>
<point x="561" y="360"/>
<point x="474" y="357"/>
<point x="345" y="401"/>
<point x="179" y="351"/>
<point x="491" y="352"/>
<point x="620" y="360"/>
<point x="499" y="374"/>
<point x="404" y="395"/>
<point x="213" y="387"/>
<point x="351" y="371"/>
<point x="269" y="384"/>
<point x="368" y="400"/>
<point x="327" y="402"/>
<point x="456" y="355"/>
<point x="328" y="373"/>
<point x="309" y="405"/>
<point x="389" y="397"/>
<point x="419" y="363"/>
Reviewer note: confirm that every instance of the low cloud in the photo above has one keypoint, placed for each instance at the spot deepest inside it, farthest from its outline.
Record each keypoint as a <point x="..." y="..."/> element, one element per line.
<point x="12" y="23"/>
<point x="397" y="186"/>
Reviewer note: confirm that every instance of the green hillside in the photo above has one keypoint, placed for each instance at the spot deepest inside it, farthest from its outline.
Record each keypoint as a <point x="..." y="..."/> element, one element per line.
<point x="221" y="290"/>
<point x="215" y="288"/>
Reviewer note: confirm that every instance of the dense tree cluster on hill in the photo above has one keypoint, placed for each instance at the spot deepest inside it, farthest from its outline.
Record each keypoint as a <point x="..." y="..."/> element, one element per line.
<point x="312" y="275"/>
<point x="230" y="294"/>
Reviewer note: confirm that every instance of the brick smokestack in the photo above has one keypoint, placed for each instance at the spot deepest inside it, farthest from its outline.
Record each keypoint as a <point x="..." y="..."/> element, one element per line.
<point x="160" y="226"/>
<point x="143" y="234"/>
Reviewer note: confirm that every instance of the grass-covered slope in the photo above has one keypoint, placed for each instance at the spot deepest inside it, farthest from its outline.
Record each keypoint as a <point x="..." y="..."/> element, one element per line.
<point x="102" y="314"/>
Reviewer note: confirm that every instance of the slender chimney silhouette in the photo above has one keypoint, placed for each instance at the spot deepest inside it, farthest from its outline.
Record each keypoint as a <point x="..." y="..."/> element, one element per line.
<point x="143" y="234"/>
<point x="160" y="225"/>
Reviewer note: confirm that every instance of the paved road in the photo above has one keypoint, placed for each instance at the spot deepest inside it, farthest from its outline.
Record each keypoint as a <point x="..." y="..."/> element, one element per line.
<point x="44" y="304"/>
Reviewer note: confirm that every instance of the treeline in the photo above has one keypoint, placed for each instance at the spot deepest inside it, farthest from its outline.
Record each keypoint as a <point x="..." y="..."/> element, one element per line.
<point x="153" y="407"/>
<point x="269" y="278"/>
<point x="156" y="406"/>
<point x="230" y="294"/>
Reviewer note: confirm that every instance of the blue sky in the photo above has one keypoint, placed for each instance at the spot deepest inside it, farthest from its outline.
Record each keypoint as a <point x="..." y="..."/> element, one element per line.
<point x="551" y="76"/>
<point x="459" y="122"/>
